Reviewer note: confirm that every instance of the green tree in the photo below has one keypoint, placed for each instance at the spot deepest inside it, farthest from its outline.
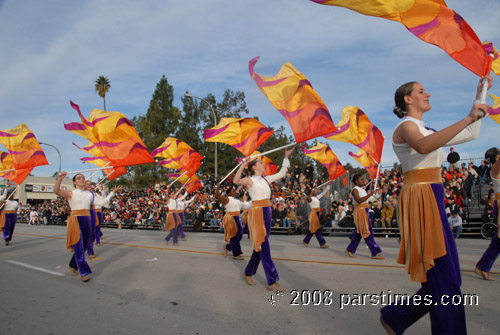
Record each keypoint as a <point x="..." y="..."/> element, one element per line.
<point x="102" y="87"/>
<point x="160" y="121"/>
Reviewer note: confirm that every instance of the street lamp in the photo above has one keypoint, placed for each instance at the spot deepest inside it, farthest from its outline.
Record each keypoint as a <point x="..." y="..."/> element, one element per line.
<point x="50" y="145"/>
<point x="215" y="124"/>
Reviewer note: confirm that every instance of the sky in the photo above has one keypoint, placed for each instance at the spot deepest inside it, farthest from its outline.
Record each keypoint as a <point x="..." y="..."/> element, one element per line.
<point x="53" y="51"/>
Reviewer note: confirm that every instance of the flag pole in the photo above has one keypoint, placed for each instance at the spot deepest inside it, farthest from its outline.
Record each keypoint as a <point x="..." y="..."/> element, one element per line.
<point x="484" y="91"/>
<point x="379" y="164"/>
<point x="89" y="170"/>
<point x="273" y="150"/>
<point x="331" y="180"/>
<point x="100" y="181"/>
<point x="183" y="186"/>
<point x="177" y="179"/>
<point x="93" y="174"/>
<point x="237" y="166"/>
<point x="4" y="171"/>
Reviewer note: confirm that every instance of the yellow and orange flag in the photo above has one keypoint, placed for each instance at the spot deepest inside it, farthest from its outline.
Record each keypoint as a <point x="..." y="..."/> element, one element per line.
<point x="323" y="154"/>
<point x="293" y="96"/>
<point x="355" y="127"/>
<point x="8" y="171"/>
<point x="114" y="135"/>
<point x="494" y="111"/>
<point x="431" y="21"/>
<point x="367" y="161"/>
<point x="243" y="134"/>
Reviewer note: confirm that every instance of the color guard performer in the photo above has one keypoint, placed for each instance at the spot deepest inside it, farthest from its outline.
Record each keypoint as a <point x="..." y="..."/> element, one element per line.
<point x="79" y="223"/>
<point x="427" y="244"/>
<point x="233" y="230"/>
<point x="363" y="227"/>
<point x="259" y="217"/>
<point x="8" y="215"/>
<point x="484" y="265"/>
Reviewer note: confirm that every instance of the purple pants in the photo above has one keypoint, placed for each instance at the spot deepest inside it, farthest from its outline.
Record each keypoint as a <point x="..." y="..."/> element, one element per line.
<point x="97" y="229"/>
<point x="10" y="224"/>
<point x="264" y="255"/>
<point x="181" y="221"/>
<point x="234" y="243"/>
<point x="78" y="259"/>
<point x="490" y="255"/>
<point x="370" y="240"/>
<point x="319" y="237"/>
<point x="443" y="279"/>
<point x="91" y="237"/>
<point x="174" y="232"/>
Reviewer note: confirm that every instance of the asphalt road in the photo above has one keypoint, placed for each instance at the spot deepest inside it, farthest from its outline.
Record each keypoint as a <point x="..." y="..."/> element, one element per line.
<point x="142" y="286"/>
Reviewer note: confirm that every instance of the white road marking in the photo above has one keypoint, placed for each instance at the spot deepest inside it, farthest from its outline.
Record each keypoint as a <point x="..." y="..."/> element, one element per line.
<point x="35" y="268"/>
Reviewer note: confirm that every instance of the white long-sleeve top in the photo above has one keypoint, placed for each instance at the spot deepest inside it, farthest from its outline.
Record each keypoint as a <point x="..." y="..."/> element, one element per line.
<point x="102" y="201"/>
<point x="172" y="204"/>
<point x="181" y="204"/>
<point x="315" y="199"/>
<point x="260" y="189"/>
<point x="10" y="205"/>
<point x="236" y="205"/>
<point x="410" y="159"/>
<point x="81" y="200"/>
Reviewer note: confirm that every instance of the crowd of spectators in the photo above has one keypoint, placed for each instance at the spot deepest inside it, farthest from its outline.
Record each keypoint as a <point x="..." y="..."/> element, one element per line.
<point x="290" y="209"/>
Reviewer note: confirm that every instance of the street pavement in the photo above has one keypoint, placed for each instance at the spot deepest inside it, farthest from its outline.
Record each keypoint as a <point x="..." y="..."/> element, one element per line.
<point x="140" y="285"/>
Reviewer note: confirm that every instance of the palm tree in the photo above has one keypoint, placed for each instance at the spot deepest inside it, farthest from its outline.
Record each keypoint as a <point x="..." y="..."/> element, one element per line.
<point x="102" y="86"/>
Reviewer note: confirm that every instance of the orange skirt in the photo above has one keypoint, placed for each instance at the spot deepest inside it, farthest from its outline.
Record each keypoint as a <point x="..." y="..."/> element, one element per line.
<point x="419" y="220"/>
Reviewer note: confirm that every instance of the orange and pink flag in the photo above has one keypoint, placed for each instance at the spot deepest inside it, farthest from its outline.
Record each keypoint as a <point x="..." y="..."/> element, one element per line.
<point x="433" y="22"/>
<point x="293" y="96"/>
<point x="99" y="159"/>
<point x="355" y="127"/>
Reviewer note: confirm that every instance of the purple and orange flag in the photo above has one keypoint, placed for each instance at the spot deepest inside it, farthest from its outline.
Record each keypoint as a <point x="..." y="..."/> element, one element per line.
<point x="114" y="135"/>
<point x="355" y="127"/>
<point x="245" y="134"/>
<point x="367" y="161"/>
<point x="431" y="21"/>
<point x="323" y="154"/>
<point x="293" y="96"/>
<point x="24" y="153"/>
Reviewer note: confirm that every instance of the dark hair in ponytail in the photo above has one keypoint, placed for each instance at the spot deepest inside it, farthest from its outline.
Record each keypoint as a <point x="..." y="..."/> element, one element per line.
<point x="491" y="154"/>
<point x="250" y="167"/>
<point x="399" y="98"/>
